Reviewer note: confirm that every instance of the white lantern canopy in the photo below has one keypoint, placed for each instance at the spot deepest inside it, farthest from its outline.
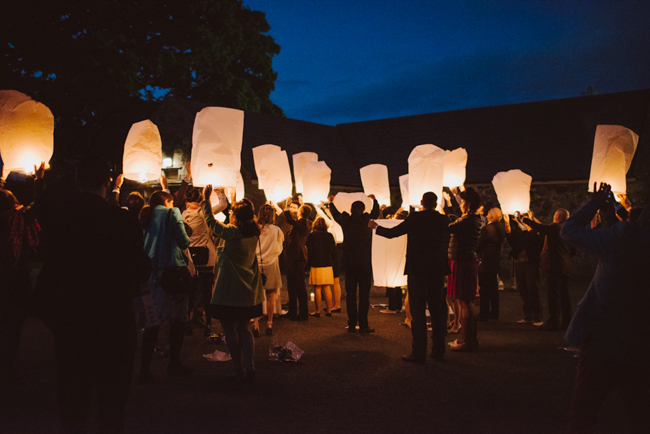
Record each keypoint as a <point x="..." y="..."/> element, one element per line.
<point x="332" y="227"/>
<point x="301" y="160"/>
<point x="426" y="167"/>
<point x="316" y="182"/>
<point x="239" y="186"/>
<point x="513" y="190"/>
<point x="374" y="179"/>
<point x="343" y="201"/>
<point x="275" y="173"/>
<point x="454" y="170"/>
<point x="389" y="257"/>
<point x="216" y="146"/>
<point x="142" y="152"/>
<point x="26" y="132"/>
<point x="259" y="153"/>
<point x="614" y="148"/>
<point x="404" y="190"/>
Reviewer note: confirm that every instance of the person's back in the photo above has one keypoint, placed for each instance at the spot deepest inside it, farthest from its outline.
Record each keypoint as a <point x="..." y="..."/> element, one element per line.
<point x="428" y="241"/>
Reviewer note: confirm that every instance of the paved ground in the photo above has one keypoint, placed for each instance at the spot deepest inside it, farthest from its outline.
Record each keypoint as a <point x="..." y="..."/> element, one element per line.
<point x="519" y="381"/>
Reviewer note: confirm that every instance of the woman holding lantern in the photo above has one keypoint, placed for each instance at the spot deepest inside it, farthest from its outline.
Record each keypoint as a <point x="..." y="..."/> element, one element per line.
<point x="463" y="280"/>
<point x="321" y="254"/>
<point x="237" y="295"/>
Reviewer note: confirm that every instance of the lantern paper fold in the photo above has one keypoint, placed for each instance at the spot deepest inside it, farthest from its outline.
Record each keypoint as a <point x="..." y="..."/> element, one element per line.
<point x="316" y="182"/>
<point x="374" y="179"/>
<point x="343" y="201"/>
<point x="275" y="174"/>
<point x="259" y="154"/>
<point x="404" y="190"/>
<point x="389" y="257"/>
<point x="513" y="190"/>
<point x="239" y="186"/>
<point x="216" y="146"/>
<point x="332" y="227"/>
<point x="26" y="132"/>
<point x="300" y="160"/>
<point x="426" y="167"/>
<point x="614" y="148"/>
<point x="454" y="168"/>
<point x="142" y="152"/>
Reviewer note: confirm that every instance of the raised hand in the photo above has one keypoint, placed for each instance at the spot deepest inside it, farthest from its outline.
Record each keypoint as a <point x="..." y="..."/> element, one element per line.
<point x="207" y="191"/>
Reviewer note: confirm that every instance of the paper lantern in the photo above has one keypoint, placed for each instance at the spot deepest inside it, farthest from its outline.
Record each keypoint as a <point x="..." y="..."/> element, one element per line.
<point x="332" y="227"/>
<point x="454" y="169"/>
<point x="426" y="167"/>
<point x="389" y="257"/>
<point x="259" y="153"/>
<point x="374" y="179"/>
<point x="404" y="190"/>
<point x="142" y="152"/>
<point x="343" y="201"/>
<point x="513" y="190"/>
<point x="299" y="162"/>
<point x="26" y="132"/>
<point x="275" y="173"/>
<point x="614" y="148"/>
<point x="316" y="182"/>
<point x="239" y="186"/>
<point x="216" y="146"/>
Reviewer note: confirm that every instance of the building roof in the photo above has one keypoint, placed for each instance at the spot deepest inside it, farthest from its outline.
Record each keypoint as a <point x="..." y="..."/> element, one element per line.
<point x="549" y="140"/>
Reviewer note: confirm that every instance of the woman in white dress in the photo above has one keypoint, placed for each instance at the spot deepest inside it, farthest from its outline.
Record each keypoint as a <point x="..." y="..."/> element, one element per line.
<point x="268" y="251"/>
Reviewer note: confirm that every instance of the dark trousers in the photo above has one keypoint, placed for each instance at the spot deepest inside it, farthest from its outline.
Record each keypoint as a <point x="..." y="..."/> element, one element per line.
<point x="488" y="284"/>
<point x="427" y="290"/>
<point x="297" y="289"/>
<point x="99" y="360"/>
<point x="527" y="276"/>
<point x="206" y="280"/>
<point x="595" y="380"/>
<point x="394" y="298"/>
<point x="559" y="303"/>
<point x="358" y="276"/>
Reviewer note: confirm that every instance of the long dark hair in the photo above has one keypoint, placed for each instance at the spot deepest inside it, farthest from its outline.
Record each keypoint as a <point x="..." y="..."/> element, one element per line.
<point x="157" y="198"/>
<point x="266" y="215"/>
<point x="244" y="216"/>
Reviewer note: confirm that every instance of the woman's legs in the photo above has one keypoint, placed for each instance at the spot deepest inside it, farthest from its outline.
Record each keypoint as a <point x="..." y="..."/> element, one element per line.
<point x="230" y="330"/>
<point x="270" y="307"/>
<point x="318" y="299"/>
<point x="336" y="294"/>
<point x="458" y="313"/>
<point x="468" y="341"/>
<point x="327" y="289"/>
<point x="247" y="343"/>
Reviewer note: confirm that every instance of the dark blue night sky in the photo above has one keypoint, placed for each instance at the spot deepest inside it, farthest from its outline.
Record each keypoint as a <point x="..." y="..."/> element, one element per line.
<point x="356" y="60"/>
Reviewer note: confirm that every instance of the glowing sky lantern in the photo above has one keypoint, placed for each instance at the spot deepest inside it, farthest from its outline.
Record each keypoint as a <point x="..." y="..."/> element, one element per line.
<point x="274" y="171"/>
<point x="26" y="132"/>
<point x="426" y="167"/>
<point x="614" y="148"/>
<point x="388" y="257"/>
<point x="142" y="152"/>
<point x="404" y="190"/>
<point x="239" y="186"/>
<point x="343" y="201"/>
<point x="259" y="153"/>
<point x="316" y="182"/>
<point x="374" y="179"/>
<point x="513" y="190"/>
<point x="216" y="147"/>
<point x="300" y="160"/>
<point x="454" y="170"/>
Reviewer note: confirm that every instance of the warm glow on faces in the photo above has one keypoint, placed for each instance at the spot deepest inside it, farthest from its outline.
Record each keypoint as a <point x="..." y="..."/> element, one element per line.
<point x="169" y="203"/>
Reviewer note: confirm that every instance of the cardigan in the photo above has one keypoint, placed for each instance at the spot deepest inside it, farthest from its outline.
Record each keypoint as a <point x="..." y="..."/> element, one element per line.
<point x="155" y="244"/>
<point x="321" y="249"/>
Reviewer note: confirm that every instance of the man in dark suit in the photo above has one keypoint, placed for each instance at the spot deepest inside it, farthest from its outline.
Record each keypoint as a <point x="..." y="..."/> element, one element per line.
<point x="426" y="267"/>
<point x="93" y="264"/>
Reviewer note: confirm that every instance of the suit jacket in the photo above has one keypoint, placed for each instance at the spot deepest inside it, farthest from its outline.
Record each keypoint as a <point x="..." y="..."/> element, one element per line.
<point x="428" y="241"/>
<point x="295" y="249"/>
<point x="357" y="236"/>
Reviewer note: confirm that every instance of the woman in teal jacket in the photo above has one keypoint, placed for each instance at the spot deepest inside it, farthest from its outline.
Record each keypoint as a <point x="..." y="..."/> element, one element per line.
<point x="164" y="241"/>
<point x="238" y="294"/>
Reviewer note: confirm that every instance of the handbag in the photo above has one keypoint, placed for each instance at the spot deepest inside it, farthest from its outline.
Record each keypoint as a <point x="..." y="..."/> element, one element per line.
<point x="174" y="280"/>
<point x="262" y="275"/>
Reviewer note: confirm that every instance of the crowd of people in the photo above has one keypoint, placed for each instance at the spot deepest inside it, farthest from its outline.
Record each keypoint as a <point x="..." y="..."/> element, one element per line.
<point x="200" y="255"/>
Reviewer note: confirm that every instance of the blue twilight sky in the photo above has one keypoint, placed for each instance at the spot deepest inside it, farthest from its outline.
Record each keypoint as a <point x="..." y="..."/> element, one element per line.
<point x="356" y="60"/>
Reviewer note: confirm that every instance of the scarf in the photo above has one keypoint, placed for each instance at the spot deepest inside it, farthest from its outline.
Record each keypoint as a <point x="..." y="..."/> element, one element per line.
<point x="19" y="232"/>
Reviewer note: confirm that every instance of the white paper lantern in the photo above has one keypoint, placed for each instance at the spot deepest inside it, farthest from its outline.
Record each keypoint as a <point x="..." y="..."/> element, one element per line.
<point x="404" y="190"/>
<point x="454" y="169"/>
<point x="259" y="153"/>
<point x="239" y="186"/>
<point x="142" y="152"/>
<point x="316" y="182"/>
<point x="216" y="146"/>
<point x="513" y="190"/>
<point x="614" y="148"/>
<point x="332" y="227"/>
<point x="426" y="167"/>
<point x="26" y="132"/>
<point x="275" y="173"/>
<point x="374" y="179"/>
<point x="301" y="160"/>
<point x="389" y="257"/>
<point x="343" y="201"/>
